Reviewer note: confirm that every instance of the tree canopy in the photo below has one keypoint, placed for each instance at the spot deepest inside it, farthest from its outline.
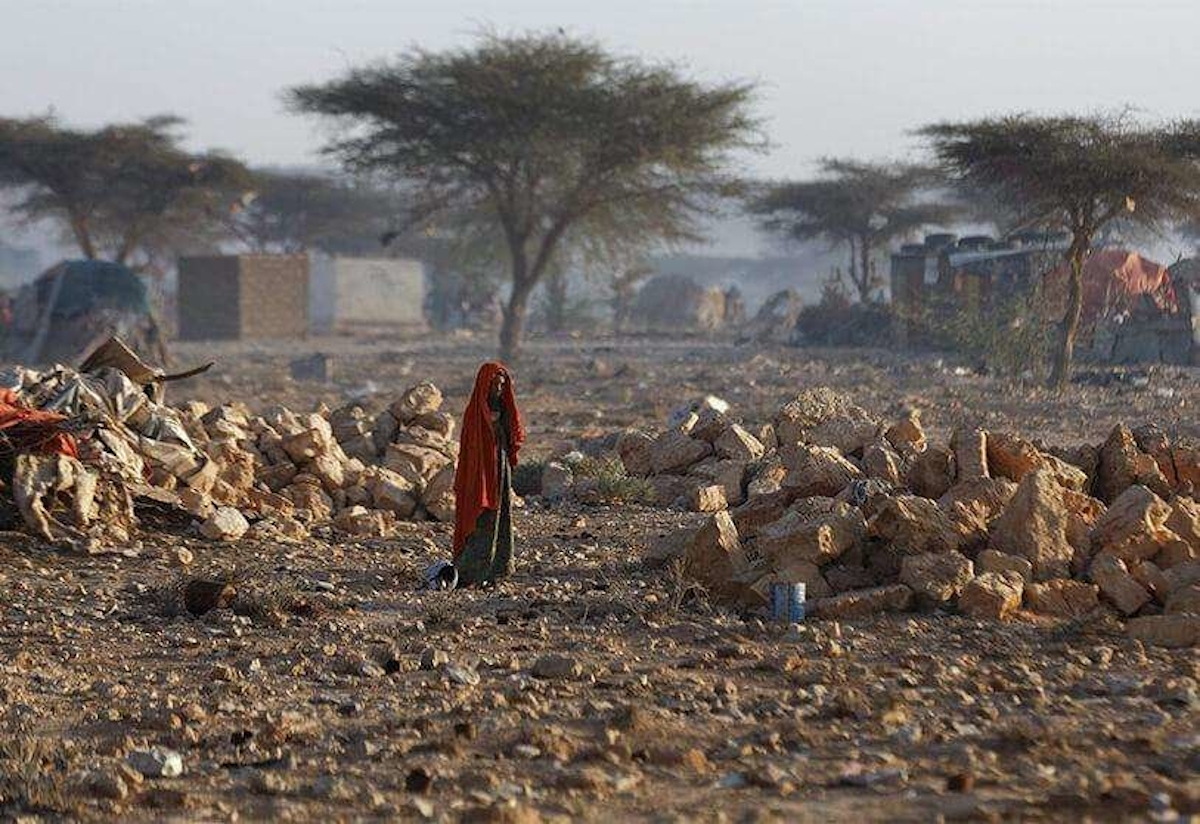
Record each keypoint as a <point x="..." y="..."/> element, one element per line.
<point x="118" y="189"/>
<point x="541" y="134"/>
<point x="1079" y="175"/>
<point x="861" y="204"/>
<point x="302" y="211"/>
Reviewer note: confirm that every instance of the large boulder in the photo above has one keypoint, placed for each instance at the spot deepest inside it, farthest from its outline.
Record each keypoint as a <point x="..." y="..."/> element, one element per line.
<point x="817" y="470"/>
<point x="914" y="525"/>
<point x="936" y="577"/>
<point x="994" y="595"/>
<point x="1034" y="526"/>
<point x="1135" y="525"/>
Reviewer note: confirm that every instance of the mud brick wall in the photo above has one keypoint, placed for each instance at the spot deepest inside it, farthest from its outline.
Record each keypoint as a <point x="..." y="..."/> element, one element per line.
<point x="209" y="308"/>
<point x="243" y="297"/>
<point x="273" y="296"/>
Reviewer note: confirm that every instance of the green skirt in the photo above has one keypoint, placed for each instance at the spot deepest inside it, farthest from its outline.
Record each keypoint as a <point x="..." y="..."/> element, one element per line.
<point x="487" y="554"/>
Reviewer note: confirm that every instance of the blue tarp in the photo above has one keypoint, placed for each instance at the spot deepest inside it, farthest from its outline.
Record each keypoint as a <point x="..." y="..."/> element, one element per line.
<point x="91" y="284"/>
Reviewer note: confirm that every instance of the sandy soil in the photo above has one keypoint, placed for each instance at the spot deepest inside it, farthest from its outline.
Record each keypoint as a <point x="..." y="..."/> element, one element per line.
<point x="588" y="686"/>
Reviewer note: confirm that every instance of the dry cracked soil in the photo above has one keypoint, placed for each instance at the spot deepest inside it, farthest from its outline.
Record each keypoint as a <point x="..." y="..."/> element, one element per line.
<point x="588" y="686"/>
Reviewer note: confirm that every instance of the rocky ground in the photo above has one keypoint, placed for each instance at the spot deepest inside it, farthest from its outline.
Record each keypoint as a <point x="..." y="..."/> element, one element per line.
<point x="589" y="686"/>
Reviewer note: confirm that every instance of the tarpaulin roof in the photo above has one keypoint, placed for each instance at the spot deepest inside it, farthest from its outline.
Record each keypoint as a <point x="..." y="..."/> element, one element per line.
<point x="89" y="284"/>
<point x="1113" y="281"/>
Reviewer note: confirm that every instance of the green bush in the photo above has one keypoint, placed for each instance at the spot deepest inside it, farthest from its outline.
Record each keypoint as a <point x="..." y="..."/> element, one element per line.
<point x="1007" y="337"/>
<point x="613" y="484"/>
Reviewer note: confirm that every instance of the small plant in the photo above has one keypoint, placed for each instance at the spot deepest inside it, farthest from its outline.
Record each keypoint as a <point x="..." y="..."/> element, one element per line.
<point x="612" y="483"/>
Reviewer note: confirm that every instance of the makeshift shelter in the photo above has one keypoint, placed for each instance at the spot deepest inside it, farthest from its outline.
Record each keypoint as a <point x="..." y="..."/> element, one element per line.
<point x="1114" y="280"/>
<point x="348" y="293"/>
<point x="234" y="297"/>
<point x="77" y="304"/>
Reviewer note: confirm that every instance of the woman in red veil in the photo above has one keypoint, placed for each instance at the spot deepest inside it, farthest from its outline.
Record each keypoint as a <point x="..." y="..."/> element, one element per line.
<point x="491" y="438"/>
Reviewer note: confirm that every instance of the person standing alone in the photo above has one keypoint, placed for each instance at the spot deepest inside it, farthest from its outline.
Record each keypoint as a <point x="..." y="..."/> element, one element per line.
<point x="491" y="436"/>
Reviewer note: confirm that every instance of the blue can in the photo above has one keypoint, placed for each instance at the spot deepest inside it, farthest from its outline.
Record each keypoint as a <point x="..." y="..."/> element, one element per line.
<point x="787" y="602"/>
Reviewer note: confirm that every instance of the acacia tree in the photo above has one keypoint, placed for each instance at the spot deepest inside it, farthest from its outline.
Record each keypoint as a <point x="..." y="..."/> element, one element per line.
<point x="1078" y="175"/>
<point x="118" y="189"/>
<point x="540" y="134"/>
<point x="298" y="211"/>
<point x="862" y="205"/>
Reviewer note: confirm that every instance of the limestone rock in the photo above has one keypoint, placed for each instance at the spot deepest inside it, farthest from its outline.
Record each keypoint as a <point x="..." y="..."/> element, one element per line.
<point x="907" y="435"/>
<point x="707" y="499"/>
<point x="914" y="525"/>
<point x="863" y="602"/>
<point x="422" y="399"/>
<point x="674" y="451"/>
<point x="1117" y="584"/>
<point x="556" y="480"/>
<point x="737" y="444"/>
<point x="635" y="450"/>
<point x="415" y="463"/>
<point x="936" y="577"/>
<point x="817" y="470"/>
<point x="728" y="474"/>
<point x="1184" y="600"/>
<point x="438" y="495"/>
<point x="881" y="461"/>
<point x="759" y="511"/>
<point x="1122" y="465"/>
<point x="1186" y="460"/>
<point x="392" y="492"/>
<point x="992" y="561"/>
<point x="990" y="495"/>
<point x="1134" y="527"/>
<point x="362" y="522"/>
<point x="714" y="556"/>
<point x="810" y="409"/>
<point x="225" y="524"/>
<point x="994" y="595"/>
<point x="1034" y="526"/>
<point x="815" y="540"/>
<point x="1061" y="598"/>
<point x="970" y="454"/>
<point x="932" y="472"/>
<point x="1184" y="520"/>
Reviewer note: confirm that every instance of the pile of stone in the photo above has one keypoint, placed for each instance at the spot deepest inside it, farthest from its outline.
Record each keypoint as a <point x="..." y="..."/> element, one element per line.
<point x="273" y="475"/>
<point x="871" y="517"/>
<point x="703" y="460"/>
<point x="287" y="471"/>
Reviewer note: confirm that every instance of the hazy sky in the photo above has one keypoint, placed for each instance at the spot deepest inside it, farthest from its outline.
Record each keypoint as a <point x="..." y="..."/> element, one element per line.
<point x="837" y="76"/>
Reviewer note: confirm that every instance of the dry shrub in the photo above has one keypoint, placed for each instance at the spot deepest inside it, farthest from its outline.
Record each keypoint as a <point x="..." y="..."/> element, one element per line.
<point x="613" y="484"/>
<point x="1007" y="337"/>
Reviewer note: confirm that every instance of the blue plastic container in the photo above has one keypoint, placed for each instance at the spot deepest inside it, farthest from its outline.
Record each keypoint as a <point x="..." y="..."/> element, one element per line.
<point x="787" y="602"/>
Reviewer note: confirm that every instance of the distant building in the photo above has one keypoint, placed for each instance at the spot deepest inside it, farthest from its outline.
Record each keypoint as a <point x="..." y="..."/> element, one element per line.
<point x="347" y="293"/>
<point x="1131" y="312"/>
<point x="231" y="297"/>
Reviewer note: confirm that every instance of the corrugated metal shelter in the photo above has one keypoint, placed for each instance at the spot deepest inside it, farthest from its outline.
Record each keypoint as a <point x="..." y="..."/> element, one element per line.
<point x="347" y="293"/>
<point x="231" y="297"/>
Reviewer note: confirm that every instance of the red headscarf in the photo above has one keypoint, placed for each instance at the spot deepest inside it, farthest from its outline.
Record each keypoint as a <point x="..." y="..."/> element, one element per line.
<point x="476" y="486"/>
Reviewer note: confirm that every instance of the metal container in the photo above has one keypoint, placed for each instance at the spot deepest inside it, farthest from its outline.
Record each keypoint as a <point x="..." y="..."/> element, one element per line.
<point x="787" y="602"/>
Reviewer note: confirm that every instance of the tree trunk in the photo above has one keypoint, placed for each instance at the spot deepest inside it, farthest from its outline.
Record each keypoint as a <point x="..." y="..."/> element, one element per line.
<point x="83" y="237"/>
<point x="1060" y="376"/>
<point x="853" y="264"/>
<point x="513" y="322"/>
<point x="556" y="300"/>
<point x="864" y="284"/>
